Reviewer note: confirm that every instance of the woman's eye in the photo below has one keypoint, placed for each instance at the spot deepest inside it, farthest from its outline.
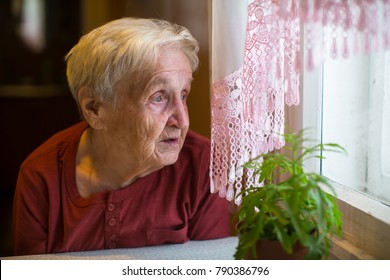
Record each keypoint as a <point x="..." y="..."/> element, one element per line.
<point x="158" y="99"/>
<point x="184" y="96"/>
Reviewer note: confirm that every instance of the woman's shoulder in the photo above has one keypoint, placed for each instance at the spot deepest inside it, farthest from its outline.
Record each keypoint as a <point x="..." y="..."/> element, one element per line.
<point x="196" y="140"/>
<point x="196" y="150"/>
<point x="56" y="144"/>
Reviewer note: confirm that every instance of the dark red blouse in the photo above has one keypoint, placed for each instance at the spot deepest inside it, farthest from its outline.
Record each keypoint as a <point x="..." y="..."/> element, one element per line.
<point x="172" y="205"/>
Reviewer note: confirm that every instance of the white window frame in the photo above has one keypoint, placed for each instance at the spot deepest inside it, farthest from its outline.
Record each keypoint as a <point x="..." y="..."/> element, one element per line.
<point x="366" y="230"/>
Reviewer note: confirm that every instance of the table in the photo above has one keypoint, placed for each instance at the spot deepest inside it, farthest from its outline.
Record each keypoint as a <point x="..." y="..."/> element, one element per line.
<point x="216" y="249"/>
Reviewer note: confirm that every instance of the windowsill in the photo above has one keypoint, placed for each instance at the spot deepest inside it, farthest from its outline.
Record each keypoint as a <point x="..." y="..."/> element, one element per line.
<point x="366" y="227"/>
<point x="363" y="202"/>
<point x="342" y="249"/>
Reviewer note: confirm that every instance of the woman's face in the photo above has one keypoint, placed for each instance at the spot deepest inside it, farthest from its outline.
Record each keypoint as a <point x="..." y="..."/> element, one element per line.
<point x="150" y="125"/>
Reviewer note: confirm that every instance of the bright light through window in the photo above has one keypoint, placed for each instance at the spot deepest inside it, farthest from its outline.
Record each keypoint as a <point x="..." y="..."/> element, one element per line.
<point x="356" y="115"/>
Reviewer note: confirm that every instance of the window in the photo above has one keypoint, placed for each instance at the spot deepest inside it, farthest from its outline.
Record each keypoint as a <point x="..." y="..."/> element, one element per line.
<point x="356" y="114"/>
<point x="348" y="102"/>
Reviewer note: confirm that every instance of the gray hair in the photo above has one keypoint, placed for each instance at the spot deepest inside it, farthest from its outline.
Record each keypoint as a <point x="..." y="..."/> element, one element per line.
<point x="124" y="46"/>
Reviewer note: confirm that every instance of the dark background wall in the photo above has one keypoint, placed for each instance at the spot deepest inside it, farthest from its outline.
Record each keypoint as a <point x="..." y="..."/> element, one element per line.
<point x="35" y="101"/>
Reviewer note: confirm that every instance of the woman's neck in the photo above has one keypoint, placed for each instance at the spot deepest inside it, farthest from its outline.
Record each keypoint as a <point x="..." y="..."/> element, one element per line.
<point x="99" y="171"/>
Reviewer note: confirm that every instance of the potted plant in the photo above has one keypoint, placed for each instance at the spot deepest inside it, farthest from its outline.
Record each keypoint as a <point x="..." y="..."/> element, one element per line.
<point x="290" y="206"/>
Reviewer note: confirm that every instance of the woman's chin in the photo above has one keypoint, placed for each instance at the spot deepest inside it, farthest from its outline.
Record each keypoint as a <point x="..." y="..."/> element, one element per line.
<point x="167" y="157"/>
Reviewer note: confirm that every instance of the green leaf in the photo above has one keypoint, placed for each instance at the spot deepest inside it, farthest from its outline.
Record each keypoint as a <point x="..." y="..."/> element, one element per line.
<point x="289" y="205"/>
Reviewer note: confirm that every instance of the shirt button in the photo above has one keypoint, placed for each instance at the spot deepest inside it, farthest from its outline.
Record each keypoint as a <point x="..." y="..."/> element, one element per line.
<point x="113" y="237"/>
<point x="112" y="222"/>
<point x="112" y="245"/>
<point x="111" y="207"/>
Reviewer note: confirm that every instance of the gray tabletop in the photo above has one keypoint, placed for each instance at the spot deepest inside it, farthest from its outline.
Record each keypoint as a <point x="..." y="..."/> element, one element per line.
<point x="216" y="249"/>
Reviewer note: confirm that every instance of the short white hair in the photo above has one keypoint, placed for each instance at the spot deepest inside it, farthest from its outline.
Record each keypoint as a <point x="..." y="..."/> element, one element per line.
<point x="125" y="46"/>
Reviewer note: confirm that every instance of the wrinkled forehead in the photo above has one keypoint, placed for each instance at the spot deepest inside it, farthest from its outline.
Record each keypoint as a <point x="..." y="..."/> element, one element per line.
<point x="165" y="62"/>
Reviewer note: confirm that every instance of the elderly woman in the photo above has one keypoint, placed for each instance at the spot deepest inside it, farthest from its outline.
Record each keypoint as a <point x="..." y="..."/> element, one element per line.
<point x="132" y="173"/>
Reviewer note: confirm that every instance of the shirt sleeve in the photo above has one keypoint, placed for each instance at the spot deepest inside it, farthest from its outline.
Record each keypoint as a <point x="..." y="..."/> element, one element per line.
<point x="30" y="216"/>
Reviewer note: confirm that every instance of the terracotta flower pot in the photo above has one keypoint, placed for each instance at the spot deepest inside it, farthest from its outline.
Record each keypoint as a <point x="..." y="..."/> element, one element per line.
<point x="272" y="250"/>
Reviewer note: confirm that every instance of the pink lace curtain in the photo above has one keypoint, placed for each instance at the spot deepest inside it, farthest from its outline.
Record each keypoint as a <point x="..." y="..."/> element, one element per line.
<point x="256" y="66"/>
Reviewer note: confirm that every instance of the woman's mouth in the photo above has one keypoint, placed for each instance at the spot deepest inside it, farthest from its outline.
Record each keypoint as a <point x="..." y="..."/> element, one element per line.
<point x="171" y="141"/>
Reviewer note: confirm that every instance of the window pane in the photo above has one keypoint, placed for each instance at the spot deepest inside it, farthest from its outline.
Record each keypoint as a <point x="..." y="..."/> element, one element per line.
<point x="356" y="116"/>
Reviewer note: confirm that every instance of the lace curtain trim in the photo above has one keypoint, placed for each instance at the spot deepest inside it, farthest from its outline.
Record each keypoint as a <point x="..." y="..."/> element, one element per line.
<point x="247" y="106"/>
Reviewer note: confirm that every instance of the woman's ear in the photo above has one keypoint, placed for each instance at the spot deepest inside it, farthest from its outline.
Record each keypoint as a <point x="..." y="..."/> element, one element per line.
<point x="90" y="108"/>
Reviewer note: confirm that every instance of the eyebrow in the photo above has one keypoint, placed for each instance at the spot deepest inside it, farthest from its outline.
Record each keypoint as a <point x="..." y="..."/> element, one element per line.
<point x="156" y="82"/>
<point x="162" y="81"/>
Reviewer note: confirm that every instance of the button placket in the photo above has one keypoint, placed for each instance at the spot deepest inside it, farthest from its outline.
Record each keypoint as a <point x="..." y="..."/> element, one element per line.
<point x="112" y="225"/>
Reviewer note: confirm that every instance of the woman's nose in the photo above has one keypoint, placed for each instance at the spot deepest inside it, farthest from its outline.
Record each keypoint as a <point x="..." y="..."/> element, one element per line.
<point x="179" y="116"/>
